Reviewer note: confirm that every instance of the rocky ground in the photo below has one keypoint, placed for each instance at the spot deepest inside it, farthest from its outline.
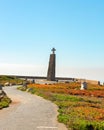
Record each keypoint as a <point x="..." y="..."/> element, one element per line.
<point x="28" y="112"/>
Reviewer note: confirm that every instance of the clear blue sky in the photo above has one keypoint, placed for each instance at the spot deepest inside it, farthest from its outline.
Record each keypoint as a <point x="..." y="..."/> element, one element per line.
<point x="30" y="28"/>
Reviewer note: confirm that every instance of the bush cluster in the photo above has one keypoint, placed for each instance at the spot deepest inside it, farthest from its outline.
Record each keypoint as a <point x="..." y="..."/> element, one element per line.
<point x="4" y="102"/>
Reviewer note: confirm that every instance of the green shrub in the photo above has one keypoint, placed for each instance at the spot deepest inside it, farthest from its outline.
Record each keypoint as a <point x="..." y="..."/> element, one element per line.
<point x="82" y="125"/>
<point x="5" y="101"/>
<point x="86" y="125"/>
<point x="63" y="118"/>
<point x="32" y="91"/>
<point x="65" y="97"/>
<point x="21" y="88"/>
<point x="4" y="104"/>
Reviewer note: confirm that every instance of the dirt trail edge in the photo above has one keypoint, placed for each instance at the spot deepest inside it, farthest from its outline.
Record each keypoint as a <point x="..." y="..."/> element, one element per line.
<point x="29" y="112"/>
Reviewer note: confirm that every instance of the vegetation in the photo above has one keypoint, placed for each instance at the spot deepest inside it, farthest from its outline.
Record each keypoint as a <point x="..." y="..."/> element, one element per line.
<point x="4" y="102"/>
<point x="10" y="80"/>
<point x="7" y="80"/>
<point x="78" y="109"/>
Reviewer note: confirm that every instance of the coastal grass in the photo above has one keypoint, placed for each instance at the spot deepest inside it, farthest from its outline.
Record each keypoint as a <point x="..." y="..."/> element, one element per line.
<point x="77" y="112"/>
<point x="10" y="79"/>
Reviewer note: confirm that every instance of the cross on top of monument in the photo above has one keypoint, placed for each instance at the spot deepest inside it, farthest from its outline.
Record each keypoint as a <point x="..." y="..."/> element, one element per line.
<point x="53" y="50"/>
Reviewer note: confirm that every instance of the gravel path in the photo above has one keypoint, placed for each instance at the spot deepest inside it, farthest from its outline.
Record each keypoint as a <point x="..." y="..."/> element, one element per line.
<point x="28" y="112"/>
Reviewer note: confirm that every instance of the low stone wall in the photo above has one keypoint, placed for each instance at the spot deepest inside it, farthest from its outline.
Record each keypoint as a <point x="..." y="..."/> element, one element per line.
<point x="95" y="82"/>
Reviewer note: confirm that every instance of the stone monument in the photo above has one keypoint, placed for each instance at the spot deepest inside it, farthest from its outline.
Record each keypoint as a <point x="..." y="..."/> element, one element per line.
<point x="51" y="67"/>
<point x="83" y="86"/>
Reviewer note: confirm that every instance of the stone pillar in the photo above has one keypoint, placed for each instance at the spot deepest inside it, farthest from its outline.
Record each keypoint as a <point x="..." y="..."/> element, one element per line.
<point x="83" y="86"/>
<point x="51" y="67"/>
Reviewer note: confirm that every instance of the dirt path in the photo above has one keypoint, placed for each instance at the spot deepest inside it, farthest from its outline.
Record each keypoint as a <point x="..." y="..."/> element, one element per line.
<point x="28" y="112"/>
